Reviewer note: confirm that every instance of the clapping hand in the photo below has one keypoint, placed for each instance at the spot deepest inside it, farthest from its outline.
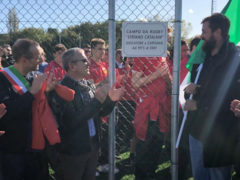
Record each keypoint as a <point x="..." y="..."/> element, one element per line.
<point x="37" y="83"/>
<point x="101" y="92"/>
<point x="51" y="82"/>
<point x="2" y="132"/>
<point x="116" y="94"/>
<point x="235" y="107"/>
<point x="162" y="69"/>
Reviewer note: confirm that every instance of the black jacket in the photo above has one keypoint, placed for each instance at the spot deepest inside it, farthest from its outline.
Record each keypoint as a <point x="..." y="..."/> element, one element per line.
<point x="220" y="135"/>
<point x="73" y="117"/>
<point x="17" y="122"/>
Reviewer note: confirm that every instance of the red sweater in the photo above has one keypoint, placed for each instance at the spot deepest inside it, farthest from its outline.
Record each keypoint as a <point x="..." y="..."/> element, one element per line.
<point x="56" y="69"/>
<point x="151" y="99"/>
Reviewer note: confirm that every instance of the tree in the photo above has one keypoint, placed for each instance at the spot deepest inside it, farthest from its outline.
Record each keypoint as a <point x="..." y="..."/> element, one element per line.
<point x="186" y="29"/>
<point x="13" y="21"/>
<point x="52" y="31"/>
<point x="4" y="39"/>
<point x="70" y="37"/>
<point x="89" y="30"/>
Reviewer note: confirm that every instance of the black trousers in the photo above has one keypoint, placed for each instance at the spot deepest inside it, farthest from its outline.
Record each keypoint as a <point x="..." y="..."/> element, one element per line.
<point x="54" y="159"/>
<point x="82" y="166"/>
<point x="124" y="127"/>
<point x="148" y="152"/>
<point x="1" y="177"/>
<point x="184" y="161"/>
<point x="18" y="166"/>
<point x="103" y="153"/>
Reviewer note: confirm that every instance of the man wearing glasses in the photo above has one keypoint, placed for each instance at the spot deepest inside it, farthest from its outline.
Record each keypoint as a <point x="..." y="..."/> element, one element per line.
<point x="79" y="120"/>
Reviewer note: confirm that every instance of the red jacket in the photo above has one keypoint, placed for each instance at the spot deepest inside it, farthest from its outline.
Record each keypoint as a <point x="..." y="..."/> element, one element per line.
<point x="151" y="99"/>
<point x="44" y="123"/>
<point x="126" y="82"/>
<point x="183" y="69"/>
<point x="98" y="71"/>
<point x="56" y="69"/>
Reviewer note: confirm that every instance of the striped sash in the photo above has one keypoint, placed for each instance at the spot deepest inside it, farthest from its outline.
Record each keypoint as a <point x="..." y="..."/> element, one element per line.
<point x="18" y="81"/>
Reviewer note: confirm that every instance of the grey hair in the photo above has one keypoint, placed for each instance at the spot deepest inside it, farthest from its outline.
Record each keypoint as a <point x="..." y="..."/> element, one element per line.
<point x="71" y="55"/>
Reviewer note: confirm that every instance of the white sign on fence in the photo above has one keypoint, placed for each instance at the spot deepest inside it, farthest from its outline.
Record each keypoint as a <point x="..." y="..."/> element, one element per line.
<point x="144" y="39"/>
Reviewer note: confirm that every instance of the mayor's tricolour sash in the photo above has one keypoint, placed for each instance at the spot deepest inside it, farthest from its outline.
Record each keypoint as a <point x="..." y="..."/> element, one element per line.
<point x="19" y="83"/>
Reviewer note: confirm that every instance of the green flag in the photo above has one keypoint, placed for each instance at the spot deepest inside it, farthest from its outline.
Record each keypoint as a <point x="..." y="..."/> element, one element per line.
<point x="197" y="56"/>
<point x="231" y="10"/>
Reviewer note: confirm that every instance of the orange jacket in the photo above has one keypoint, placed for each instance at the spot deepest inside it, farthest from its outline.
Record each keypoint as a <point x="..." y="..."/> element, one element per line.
<point x="44" y="123"/>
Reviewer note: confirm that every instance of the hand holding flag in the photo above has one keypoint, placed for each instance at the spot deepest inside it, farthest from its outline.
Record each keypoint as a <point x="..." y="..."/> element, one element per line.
<point x="2" y="110"/>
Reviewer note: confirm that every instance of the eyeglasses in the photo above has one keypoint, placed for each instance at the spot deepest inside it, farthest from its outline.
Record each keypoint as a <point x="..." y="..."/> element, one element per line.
<point x="84" y="60"/>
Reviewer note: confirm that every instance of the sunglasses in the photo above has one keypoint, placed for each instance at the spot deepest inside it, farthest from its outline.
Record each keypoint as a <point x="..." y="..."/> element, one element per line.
<point x="84" y="60"/>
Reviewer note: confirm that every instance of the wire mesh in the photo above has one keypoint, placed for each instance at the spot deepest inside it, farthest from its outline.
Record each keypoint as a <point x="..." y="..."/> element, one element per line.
<point x="74" y="23"/>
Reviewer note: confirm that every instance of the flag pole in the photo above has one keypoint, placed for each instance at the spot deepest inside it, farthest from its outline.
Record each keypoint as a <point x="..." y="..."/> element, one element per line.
<point x="185" y="113"/>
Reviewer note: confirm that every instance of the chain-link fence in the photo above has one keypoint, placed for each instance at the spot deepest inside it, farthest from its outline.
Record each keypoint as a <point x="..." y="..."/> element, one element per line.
<point x="147" y="99"/>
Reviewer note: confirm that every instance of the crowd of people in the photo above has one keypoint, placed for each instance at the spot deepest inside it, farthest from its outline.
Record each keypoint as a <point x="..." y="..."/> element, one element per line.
<point x="56" y="113"/>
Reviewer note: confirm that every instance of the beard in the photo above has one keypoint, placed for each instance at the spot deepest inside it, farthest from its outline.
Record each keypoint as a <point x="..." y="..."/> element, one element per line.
<point x="209" y="45"/>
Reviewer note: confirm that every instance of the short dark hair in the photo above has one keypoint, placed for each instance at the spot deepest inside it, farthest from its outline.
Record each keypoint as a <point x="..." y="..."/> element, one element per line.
<point x="194" y="42"/>
<point x="118" y="51"/>
<point x="24" y="48"/>
<point x="96" y="41"/>
<point x="60" y="47"/>
<point x="87" y="46"/>
<point x="183" y="42"/>
<point x="218" y="20"/>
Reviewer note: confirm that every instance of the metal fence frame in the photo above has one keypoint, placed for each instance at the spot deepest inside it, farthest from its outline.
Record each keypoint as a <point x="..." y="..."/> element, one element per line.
<point x="175" y="87"/>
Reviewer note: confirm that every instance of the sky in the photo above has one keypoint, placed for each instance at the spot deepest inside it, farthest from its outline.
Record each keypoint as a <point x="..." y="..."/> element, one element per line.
<point x="63" y="13"/>
<point x="194" y="11"/>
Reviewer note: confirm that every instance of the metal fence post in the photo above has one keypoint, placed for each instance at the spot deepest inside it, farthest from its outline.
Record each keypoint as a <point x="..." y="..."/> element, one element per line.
<point x="111" y="130"/>
<point x="175" y="89"/>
